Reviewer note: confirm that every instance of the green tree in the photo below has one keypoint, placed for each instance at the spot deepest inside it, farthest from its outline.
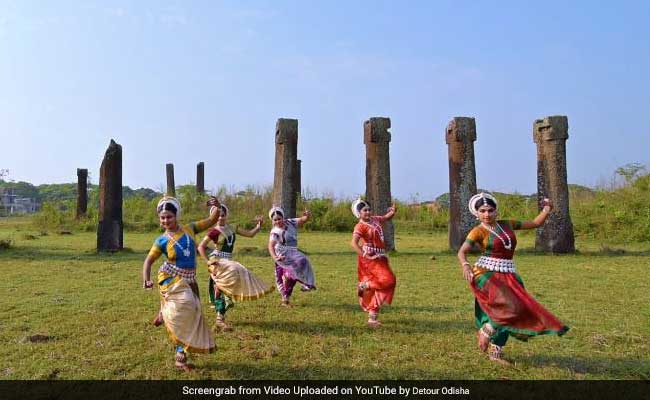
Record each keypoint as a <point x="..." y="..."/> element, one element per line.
<point x="630" y="172"/>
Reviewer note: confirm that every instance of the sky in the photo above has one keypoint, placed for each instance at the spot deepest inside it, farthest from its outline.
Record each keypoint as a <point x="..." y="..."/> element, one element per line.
<point x="188" y="81"/>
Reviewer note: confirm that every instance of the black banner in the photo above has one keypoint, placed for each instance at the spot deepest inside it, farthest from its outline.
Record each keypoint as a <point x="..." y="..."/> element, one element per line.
<point x="547" y="390"/>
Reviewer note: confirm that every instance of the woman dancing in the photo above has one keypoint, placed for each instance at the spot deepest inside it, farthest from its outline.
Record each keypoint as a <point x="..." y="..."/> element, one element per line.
<point x="376" y="280"/>
<point x="502" y="306"/>
<point x="229" y="280"/>
<point x="291" y="265"/>
<point x="180" y="306"/>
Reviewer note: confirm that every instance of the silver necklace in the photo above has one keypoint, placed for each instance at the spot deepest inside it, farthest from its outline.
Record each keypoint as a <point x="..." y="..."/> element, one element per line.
<point x="228" y="234"/>
<point x="186" y="250"/>
<point x="376" y="227"/>
<point x="507" y="245"/>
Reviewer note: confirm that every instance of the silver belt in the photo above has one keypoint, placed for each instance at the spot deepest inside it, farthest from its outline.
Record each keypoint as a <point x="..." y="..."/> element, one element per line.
<point x="496" y="264"/>
<point x="283" y="248"/>
<point x="376" y="250"/>
<point x="221" y="254"/>
<point x="171" y="269"/>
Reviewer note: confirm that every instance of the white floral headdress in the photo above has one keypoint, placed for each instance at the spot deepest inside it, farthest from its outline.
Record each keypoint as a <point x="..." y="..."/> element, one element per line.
<point x="480" y="197"/>
<point x="357" y="205"/>
<point x="275" y="209"/>
<point x="222" y="209"/>
<point x="169" y="200"/>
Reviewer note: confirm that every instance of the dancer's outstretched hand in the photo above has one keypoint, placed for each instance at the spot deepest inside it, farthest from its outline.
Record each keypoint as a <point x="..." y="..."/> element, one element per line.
<point x="147" y="285"/>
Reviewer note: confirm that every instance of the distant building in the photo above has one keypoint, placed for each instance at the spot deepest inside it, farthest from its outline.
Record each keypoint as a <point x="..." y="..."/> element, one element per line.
<point x="10" y="203"/>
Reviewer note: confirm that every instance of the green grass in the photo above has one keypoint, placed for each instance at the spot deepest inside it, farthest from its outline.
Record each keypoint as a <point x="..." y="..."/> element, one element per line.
<point x="97" y="316"/>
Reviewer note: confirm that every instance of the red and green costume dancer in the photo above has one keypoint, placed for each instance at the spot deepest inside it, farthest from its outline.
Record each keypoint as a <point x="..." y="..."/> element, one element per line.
<point x="500" y="297"/>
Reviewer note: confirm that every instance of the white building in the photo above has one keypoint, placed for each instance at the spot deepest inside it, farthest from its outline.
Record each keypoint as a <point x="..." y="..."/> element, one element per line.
<point x="10" y="203"/>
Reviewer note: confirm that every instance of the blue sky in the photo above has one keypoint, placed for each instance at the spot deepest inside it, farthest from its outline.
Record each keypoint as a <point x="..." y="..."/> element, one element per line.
<point x="190" y="81"/>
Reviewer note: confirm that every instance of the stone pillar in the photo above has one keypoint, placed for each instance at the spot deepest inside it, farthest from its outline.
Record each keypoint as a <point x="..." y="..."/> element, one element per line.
<point x="550" y="135"/>
<point x="200" y="177"/>
<point x="286" y="156"/>
<point x="377" y="138"/>
<point x="298" y="184"/>
<point x="82" y="192"/>
<point x="110" y="232"/>
<point x="171" y="187"/>
<point x="460" y="137"/>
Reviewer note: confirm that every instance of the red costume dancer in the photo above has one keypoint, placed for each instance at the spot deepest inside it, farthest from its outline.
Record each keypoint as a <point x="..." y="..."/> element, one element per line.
<point x="376" y="280"/>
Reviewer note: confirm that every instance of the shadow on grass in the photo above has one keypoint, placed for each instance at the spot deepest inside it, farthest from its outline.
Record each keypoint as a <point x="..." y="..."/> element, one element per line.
<point x="354" y="307"/>
<point x="390" y="325"/>
<point x="615" y="367"/>
<point x="396" y="254"/>
<point x="54" y="253"/>
<point x="603" y="252"/>
<point x="259" y="371"/>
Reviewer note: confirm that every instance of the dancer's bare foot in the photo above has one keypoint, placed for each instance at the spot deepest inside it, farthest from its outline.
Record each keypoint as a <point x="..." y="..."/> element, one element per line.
<point x="483" y="341"/>
<point x="184" y="367"/>
<point x="483" y="336"/>
<point x="286" y="304"/>
<point x="373" y="320"/>
<point x="374" y="323"/>
<point x="496" y="354"/>
<point x="158" y="320"/>
<point x="181" y="363"/>
<point x="222" y="326"/>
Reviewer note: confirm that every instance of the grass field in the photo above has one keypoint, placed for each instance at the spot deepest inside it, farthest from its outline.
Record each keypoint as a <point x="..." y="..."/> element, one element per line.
<point x="94" y="317"/>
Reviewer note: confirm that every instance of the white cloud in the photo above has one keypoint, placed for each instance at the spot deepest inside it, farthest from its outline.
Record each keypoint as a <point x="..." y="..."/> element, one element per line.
<point x="117" y="12"/>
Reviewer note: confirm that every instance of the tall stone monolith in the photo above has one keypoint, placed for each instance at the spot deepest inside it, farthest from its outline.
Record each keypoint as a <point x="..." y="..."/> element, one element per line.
<point x="200" y="177"/>
<point x="460" y="137"/>
<point x="550" y="135"/>
<point x="286" y="166"/>
<point x="171" y="186"/>
<point x="298" y="184"/>
<point x="110" y="231"/>
<point x="82" y="192"/>
<point x="377" y="138"/>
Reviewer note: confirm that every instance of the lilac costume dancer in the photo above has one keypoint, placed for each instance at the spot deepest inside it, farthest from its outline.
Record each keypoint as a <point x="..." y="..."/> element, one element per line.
<point x="295" y="266"/>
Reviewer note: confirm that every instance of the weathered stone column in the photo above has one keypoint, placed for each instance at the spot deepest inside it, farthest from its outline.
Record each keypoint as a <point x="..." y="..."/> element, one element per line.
<point x="377" y="138"/>
<point x="550" y="135"/>
<point x="298" y="184"/>
<point x="171" y="186"/>
<point x="460" y="137"/>
<point x="110" y="229"/>
<point x="82" y="192"/>
<point x="286" y="155"/>
<point x="200" y="177"/>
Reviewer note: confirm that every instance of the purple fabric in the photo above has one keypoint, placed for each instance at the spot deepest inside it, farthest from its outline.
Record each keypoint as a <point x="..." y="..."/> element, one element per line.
<point x="284" y="282"/>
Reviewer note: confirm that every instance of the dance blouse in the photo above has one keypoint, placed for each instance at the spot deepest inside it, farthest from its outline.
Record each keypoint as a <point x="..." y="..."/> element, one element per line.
<point x="224" y="239"/>
<point x="180" y="250"/>
<point x="287" y="236"/>
<point x="493" y="245"/>
<point x="371" y="232"/>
